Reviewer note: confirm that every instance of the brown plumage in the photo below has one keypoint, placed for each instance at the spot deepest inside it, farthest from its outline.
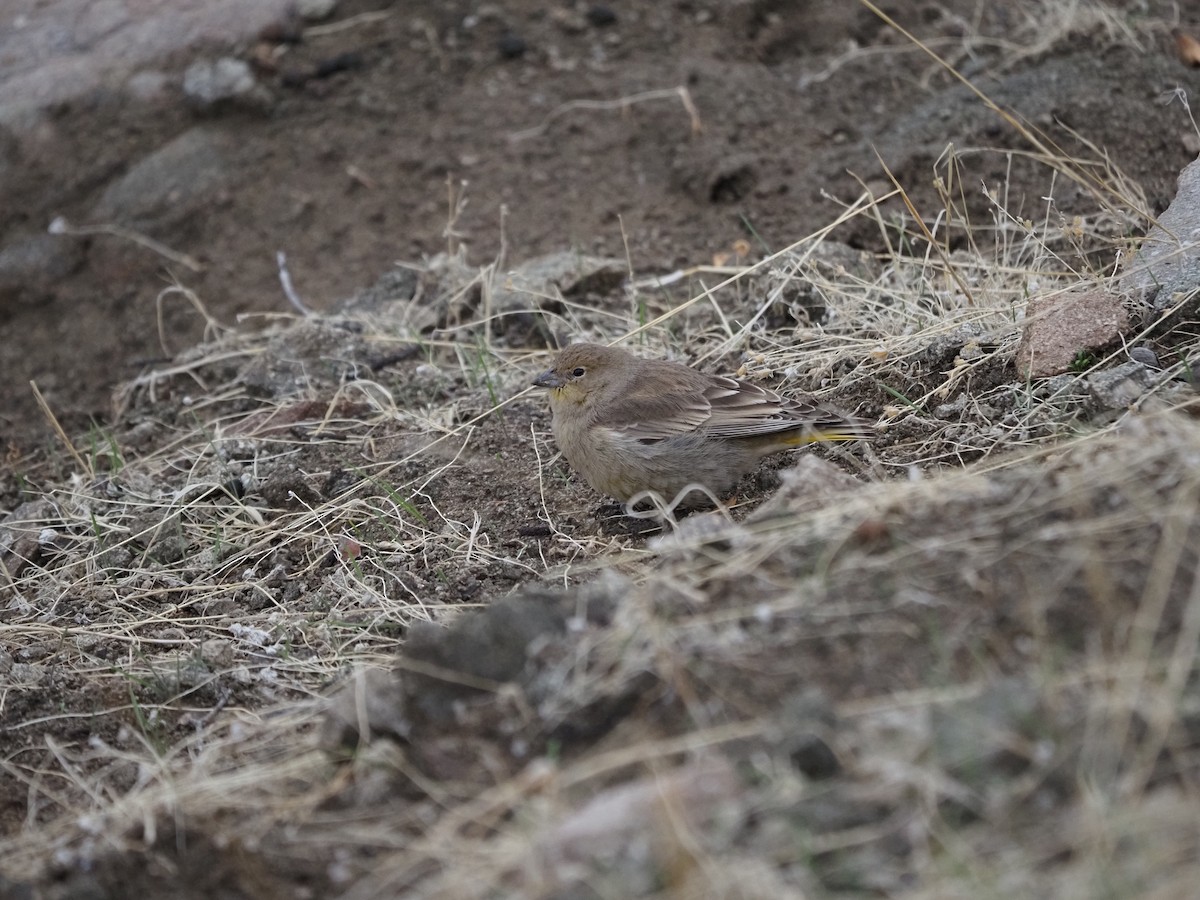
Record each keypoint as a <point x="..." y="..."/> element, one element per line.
<point x="628" y="424"/>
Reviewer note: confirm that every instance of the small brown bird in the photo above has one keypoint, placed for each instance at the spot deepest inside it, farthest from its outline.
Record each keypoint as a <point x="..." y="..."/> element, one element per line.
<point x="629" y="425"/>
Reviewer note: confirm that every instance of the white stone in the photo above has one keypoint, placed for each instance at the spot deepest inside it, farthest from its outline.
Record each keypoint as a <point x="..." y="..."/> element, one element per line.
<point x="315" y="10"/>
<point x="209" y="80"/>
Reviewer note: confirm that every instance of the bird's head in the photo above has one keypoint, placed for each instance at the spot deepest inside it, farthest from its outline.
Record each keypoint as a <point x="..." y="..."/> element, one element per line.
<point x="580" y="371"/>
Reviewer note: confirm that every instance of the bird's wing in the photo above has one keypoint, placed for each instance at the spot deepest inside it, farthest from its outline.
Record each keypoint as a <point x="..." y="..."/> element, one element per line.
<point x="741" y="409"/>
<point x="659" y="419"/>
<point x="658" y="408"/>
<point x="658" y="402"/>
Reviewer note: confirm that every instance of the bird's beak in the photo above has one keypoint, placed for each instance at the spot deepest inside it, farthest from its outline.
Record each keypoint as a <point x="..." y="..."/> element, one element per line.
<point x="548" y="379"/>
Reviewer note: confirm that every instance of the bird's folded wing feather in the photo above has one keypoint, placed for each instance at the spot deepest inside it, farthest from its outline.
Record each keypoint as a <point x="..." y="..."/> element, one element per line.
<point x="721" y="407"/>
<point x="740" y="409"/>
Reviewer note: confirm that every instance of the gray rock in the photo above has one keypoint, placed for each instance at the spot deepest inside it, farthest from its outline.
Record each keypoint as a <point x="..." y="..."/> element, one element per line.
<point x="953" y="409"/>
<point x="210" y="81"/>
<point x="170" y="182"/>
<point x="941" y="352"/>
<point x="66" y="48"/>
<point x="1059" y="328"/>
<point x="1146" y="357"/>
<point x="1063" y="388"/>
<point x="1168" y="262"/>
<point x="1121" y="386"/>
<point x="315" y="10"/>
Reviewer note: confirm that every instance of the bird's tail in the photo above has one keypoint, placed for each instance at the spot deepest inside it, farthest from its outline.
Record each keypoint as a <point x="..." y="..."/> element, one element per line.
<point x="832" y="428"/>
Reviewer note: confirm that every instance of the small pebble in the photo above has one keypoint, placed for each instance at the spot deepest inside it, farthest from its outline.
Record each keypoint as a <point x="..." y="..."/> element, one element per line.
<point x="511" y="46"/>
<point x="1145" y="356"/>
<point x="601" y="16"/>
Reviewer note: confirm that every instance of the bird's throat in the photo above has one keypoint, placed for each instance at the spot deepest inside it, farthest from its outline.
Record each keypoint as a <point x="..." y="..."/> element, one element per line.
<point x="569" y="393"/>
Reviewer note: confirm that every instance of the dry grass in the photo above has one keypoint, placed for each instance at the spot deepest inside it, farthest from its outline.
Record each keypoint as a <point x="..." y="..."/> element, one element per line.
<point x="992" y="634"/>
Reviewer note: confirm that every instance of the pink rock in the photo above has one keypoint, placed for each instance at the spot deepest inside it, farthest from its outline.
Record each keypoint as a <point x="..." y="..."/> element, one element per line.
<point x="1059" y="327"/>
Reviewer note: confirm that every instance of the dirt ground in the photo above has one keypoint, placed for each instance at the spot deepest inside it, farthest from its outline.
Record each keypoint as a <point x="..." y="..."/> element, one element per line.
<point x="253" y="503"/>
<point x="351" y="172"/>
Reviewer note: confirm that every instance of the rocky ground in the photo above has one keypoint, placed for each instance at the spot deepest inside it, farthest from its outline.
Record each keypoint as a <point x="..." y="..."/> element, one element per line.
<point x="304" y="604"/>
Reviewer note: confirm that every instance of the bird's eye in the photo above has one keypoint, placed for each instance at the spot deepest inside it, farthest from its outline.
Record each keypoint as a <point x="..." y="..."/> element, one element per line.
<point x="578" y="372"/>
